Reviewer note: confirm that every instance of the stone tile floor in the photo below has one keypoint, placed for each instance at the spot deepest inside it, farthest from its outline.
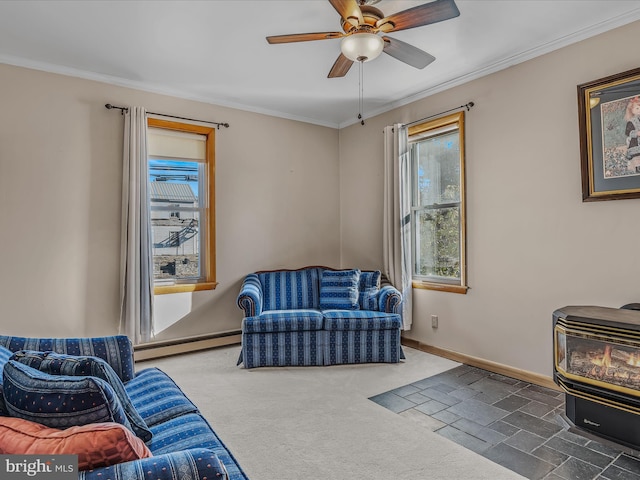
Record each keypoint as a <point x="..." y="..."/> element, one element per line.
<point x="513" y="423"/>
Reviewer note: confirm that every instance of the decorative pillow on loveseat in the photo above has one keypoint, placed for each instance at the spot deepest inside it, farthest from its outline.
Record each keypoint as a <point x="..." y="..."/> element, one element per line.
<point x="61" y="364"/>
<point x="97" y="444"/>
<point x="369" y="287"/>
<point x="59" y="401"/>
<point x="339" y="289"/>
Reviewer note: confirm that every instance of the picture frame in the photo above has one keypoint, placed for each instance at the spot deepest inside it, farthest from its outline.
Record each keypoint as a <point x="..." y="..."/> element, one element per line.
<point x="609" y="127"/>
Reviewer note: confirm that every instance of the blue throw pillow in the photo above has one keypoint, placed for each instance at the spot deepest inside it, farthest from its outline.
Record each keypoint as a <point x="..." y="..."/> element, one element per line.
<point x="59" y="401"/>
<point x="71" y="365"/>
<point x="339" y="289"/>
<point x="369" y="288"/>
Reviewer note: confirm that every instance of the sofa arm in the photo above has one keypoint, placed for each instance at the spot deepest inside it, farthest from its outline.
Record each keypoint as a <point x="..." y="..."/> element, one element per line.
<point x="193" y="463"/>
<point x="251" y="296"/>
<point x="116" y="350"/>
<point x="389" y="299"/>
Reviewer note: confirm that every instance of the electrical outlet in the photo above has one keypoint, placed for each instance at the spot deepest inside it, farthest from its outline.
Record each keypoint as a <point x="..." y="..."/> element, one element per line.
<point x="434" y="321"/>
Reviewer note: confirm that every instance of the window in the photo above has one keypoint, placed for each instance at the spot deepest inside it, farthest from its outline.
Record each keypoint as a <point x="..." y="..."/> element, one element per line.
<point x="438" y="204"/>
<point x="181" y="193"/>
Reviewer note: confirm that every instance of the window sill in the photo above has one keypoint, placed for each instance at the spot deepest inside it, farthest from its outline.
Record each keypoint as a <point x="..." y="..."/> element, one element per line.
<point x="441" y="287"/>
<point x="184" y="287"/>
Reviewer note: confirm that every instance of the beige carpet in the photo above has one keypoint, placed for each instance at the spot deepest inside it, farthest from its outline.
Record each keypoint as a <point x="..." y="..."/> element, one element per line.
<point x="308" y="423"/>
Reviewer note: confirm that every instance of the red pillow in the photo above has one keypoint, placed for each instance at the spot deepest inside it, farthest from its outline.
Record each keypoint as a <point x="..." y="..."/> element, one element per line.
<point x="96" y="444"/>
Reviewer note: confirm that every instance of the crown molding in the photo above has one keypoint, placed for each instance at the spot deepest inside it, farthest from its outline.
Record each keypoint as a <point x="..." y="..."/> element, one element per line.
<point x="153" y="88"/>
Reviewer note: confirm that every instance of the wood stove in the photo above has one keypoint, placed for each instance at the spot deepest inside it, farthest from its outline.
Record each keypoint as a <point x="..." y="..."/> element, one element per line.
<point x="597" y="364"/>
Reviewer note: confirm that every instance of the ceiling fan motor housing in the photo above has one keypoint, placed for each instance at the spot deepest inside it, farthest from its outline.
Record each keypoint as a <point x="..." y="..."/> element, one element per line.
<point x="370" y="15"/>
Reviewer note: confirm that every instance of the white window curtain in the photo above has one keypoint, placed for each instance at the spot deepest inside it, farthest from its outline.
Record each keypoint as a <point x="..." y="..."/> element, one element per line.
<point x="397" y="217"/>
<point x="136" y="262"/>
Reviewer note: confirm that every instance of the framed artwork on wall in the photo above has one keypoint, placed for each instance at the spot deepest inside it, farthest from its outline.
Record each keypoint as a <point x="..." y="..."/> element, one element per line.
<point x="609" y="123"/>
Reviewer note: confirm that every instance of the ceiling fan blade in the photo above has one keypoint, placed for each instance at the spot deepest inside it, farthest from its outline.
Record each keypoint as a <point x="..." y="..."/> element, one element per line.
<point x="340" y="67"/>
<point x="432" y="12"/>
<point x="349" y="11"/>
<point x="407" y="53"/>
<point x="304" y="37"/>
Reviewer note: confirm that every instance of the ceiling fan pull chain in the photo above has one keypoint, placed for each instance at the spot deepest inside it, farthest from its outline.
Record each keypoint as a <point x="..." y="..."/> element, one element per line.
<point x="361" y="92"/>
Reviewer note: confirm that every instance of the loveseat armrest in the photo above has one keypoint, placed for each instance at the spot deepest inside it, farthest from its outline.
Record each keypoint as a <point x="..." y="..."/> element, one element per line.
<point x="389" y="299"/>
<point x="250" y="298"/>
<point x="193" y="463"/>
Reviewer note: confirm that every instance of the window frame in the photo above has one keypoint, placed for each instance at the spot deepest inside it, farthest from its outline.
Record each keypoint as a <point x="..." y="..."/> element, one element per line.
<point x="419" y="132"/>
<point x="209" y="264"/>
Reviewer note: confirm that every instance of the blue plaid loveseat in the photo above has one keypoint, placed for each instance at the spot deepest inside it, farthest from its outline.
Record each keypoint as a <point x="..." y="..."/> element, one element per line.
<point x="319" y="316"/>
<point x="182" y="443"/>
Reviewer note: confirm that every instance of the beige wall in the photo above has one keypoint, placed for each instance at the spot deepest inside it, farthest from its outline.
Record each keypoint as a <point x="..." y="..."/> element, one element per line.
<point x="291" y="194"/>
<point x="60" y="185"/>
<point x="533" y="246"/>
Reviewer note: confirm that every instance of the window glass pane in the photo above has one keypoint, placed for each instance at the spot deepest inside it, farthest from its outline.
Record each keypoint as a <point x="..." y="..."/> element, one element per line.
<point x="176" y="247"/>
<point x="437" y="243"/>
<point x="174" y="187"/>
<point x="438" y="169"/>
<point x="175" y="172"/>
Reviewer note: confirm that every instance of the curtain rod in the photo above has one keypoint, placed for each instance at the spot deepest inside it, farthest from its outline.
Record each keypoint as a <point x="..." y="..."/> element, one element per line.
<point x="126" y="109"/>
<point x="466" y="105"/>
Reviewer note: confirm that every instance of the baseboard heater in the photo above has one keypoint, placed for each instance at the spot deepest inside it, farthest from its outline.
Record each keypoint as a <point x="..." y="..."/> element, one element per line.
<point x="165" y="348"/>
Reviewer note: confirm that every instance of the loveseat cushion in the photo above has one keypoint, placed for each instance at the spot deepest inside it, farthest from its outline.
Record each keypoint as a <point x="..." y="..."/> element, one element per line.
<point x="188" y="432"/>
<point x="290" y="289"/>
<point x="283" y="321"/>
<point x="369" y="287"/>
<point x="117" y="350"/>
<point x="181" y="433"/>
<point x="193" y="464"/>
<point x="96" y="444"/>
<point x="62" y="364"/>
<point x="339" y="289"/>
<point x="59" y="401"/>
<point x="157" y="398"/>
<point x="360" y="320"/>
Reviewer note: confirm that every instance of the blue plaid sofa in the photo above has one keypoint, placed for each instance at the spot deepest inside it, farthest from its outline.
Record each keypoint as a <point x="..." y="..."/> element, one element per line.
<point x="182" y="443"/>
<point x="319" y="316"/>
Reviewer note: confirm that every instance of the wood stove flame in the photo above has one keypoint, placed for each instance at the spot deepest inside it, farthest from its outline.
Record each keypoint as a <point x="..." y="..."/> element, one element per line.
<point x="602" y="365"/>
<point x="634" y="360"/>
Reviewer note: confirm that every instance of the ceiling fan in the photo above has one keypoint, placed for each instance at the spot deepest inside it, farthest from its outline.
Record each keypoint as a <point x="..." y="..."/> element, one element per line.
<point x="362" y="23"/>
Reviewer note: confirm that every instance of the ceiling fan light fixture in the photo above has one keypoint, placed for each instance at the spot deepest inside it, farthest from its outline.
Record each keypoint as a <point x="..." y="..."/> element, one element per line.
<point x="362" y="47"/>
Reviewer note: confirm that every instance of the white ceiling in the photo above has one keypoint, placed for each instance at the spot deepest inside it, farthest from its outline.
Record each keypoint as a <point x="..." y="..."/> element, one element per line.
<point x="215" y="51"/>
